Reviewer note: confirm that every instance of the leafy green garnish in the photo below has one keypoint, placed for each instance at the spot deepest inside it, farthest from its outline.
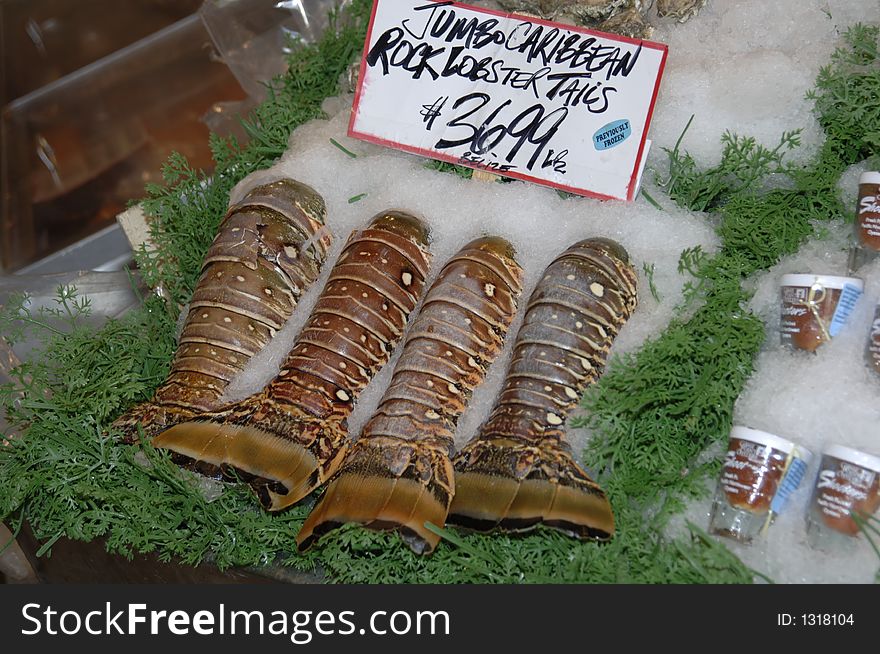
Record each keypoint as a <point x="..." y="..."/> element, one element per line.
<point x="744" y="164"/>
<point x="649" y="273"/>
<point x="443" y="167"/>
<point x="345" y="150"/>
<point x="651" y="200"/>
<point x="847" y="97"/>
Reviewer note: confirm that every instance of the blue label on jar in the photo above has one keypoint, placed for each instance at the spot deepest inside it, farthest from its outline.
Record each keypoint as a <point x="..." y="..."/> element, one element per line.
<point x="789" y="484"/>
<point x="845" y="305"/>
<point x="612" y="134"/>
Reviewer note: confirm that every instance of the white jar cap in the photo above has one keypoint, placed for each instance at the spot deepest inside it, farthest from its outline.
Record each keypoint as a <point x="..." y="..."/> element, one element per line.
<point x="844" y="453"/>
<point x="870" y="177"/>
<point x="828" y="281"/>
<point x="762" y="438"/>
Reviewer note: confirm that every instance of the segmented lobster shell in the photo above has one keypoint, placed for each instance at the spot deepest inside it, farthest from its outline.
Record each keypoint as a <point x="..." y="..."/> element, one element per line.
<point x="289" y="438"/>
<point x="519" y="471"/>
<point x="268" y="250"/>
<point x="398" y="475"/>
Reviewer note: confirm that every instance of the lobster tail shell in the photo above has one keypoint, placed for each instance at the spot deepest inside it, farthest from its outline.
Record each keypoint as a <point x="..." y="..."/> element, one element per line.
<point x="519" y="472"/>
<point x="291" y="437"/>
<point x="386" y="484"/>
<point x="399" y="474"/>
<point x="514" y="485"/>
<point x="269" y="249"/>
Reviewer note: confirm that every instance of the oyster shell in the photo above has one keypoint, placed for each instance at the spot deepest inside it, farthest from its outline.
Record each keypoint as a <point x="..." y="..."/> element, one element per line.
<point x="683" y="10"/>
<point x="624" y="17"/>
<point x="629" y="22"/>
<point x="582" y="12"/>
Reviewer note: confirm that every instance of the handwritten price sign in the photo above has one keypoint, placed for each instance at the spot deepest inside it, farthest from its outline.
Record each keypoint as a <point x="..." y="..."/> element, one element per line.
<point x="546" y="103"/>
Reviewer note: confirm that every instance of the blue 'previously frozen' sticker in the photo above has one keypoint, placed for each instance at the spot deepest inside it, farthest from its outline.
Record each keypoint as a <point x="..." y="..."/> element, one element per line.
<point x="612" y="134"/>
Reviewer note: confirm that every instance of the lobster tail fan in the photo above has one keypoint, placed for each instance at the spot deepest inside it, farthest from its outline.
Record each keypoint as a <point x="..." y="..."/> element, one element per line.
<point x="270" y="464"/>
<point x="386" y="484"/>
<point x="514" y="486"/>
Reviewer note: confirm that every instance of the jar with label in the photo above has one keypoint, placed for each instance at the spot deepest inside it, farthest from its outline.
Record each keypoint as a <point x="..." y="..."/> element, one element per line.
<point x="815" y="308"/>
<point x="873" y="350"/>
<point x="848" y="482"/>
<point x="760" y="472"/>
<point x="867" y="225"/>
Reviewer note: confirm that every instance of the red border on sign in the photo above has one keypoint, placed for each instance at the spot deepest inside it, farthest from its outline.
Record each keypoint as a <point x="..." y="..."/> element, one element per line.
<point x="433" y="154"/>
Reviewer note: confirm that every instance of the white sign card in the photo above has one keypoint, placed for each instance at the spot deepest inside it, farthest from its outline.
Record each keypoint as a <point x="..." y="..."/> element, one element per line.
<point x="525" y="98"/>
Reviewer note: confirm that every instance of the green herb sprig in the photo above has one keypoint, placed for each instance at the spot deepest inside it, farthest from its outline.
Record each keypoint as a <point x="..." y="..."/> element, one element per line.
<point x="847" y="97"/>
<point x="454" y="169"/>
<point x="649" y="274"/>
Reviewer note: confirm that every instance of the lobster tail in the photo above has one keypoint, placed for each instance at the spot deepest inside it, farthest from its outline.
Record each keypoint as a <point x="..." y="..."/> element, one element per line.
<point x="514" y="485"/>
<point x="399" y="474"/>
<point x="148" y="417"/>
<point x="269" y="249"/>
<point x="291" y="437"/>
<point x="386" y="484"/>
<point x="218" y="451"/>
<point x="518" y="472"/>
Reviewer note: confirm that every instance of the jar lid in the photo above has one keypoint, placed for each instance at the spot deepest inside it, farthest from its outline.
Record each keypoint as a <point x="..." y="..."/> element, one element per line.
<point x="828" y="281"/>
<point x="844" y="453"/>
<point x="870" y="177"/>
<point x="762" y="438"/>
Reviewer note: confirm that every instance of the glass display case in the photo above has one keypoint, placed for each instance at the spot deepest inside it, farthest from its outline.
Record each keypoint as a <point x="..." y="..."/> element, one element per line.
<point x="96" y="97"/>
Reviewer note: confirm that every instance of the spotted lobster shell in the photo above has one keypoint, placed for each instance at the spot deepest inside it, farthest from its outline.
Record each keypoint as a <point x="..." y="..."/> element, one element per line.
<point x="268" y="250"/>
<point x="519" y="472"/>
<point x="398" y="475"/>
<point x="288" y="439"/>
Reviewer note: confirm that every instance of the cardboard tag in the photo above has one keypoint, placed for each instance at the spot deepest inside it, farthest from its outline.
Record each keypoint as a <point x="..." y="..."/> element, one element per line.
<point x="552" y="104"/>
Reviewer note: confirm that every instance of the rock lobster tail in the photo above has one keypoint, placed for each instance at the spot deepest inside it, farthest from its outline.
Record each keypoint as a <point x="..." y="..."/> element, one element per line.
<point x="518" y="472"/>
<point x="399" y="475"/>
<point x="288" y="439"/>
<point x="269" y="248"/>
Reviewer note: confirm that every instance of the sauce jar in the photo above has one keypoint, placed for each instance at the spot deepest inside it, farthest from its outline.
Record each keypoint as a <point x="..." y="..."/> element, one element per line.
<point x="815" y="308"/>
<point x="848" y="482"/>
<point x="760" y="472"/>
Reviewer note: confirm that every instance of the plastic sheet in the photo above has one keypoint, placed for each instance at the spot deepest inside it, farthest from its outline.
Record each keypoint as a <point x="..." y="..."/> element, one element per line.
<point x="252" y="36"/>
<point x="76" y="150"/>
